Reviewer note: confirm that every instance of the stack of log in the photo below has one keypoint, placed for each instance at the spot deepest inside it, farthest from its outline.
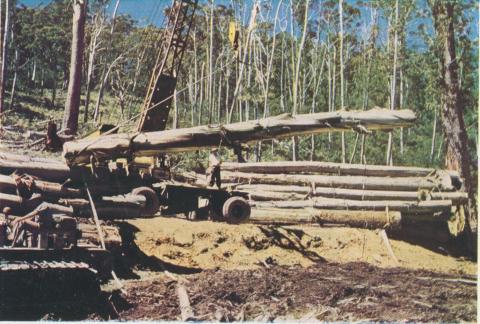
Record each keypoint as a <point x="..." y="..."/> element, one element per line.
<point x="29" y="184"/>
<point x="366" y="195"/>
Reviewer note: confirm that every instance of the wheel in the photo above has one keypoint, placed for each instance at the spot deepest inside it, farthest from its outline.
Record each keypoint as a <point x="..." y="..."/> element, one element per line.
<point x="236" y="210"/>
<point x="152" y="204"/>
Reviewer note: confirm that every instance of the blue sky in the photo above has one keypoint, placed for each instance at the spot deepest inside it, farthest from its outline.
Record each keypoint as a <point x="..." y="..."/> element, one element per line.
<point x="141" y="10"/>
<point x="150" y="11"/>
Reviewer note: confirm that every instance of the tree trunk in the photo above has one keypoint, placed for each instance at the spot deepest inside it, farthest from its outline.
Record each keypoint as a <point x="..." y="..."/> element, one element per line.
<point x="188" y="139"/>
<point x="342" y="98"/>
<point x="432" y="207"/>
<point x="457" y="152"/>
<point x="98" y="26"/>
<point x="70" y="118"/>
<point x="50" y="170"/>
<point x="359" y="219"/>
<point x="19" y="205"/>
<point x="434" y="136"/>
<point x="261" y="192"/>
<point x="457" y="157"/>
<point x="4" y="63"/>
<point x="339" y="169"/>
<point x="114" y="14"/>
<point x="443" y="183"/>
<point x="389" y="158"/>
<point x="14" y="82"/>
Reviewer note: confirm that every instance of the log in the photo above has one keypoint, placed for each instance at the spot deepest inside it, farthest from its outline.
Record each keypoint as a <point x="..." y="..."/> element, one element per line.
<point x="327" y="168"/>
<point x="386" y="241"/>
<point x="192" y="139"/>
<point x="121" y="201"/>
<point x="186" y="310"/>
<point x="350" y="182"/>
<point x="273" y="195"/>
<point x="422" y="207"/>
<point x="46" y="169"/>
<point x="8" y="185"/>
<point x="261" y="192"/>
<point x="19" y="205"/>
<point x="53" y="191"/>
<point x="360" y="219"/>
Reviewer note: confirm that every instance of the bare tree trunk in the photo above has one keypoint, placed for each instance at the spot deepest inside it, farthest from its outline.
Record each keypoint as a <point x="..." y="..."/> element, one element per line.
<point x="342" y="102"/>
<point x="393" y="85"/>
<point x="4" y="64"/>
<point x="255" y="11"/>
<point x="175" y="109"/>
<point x="457" y="157"/>
<point x="401" y="107"/>
<point x="91" y="59"/>
<point x="114" y="14"/>
<point x="105" y="71"/>
<point x="457" y="153"/>
<point x="270" y="63"/>
<point x="210" y="65"/>
<point x="434" y="136"/>
<point x="296" y="77"/>
<point x="14" y="82"/>
<point x="70" y="119"/>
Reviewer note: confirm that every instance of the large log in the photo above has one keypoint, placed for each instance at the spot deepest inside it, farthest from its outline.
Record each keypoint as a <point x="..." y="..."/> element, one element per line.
<point x="115" y="202"/>
<point x="46" y="169"/>
<point x="52" y="190"/>
<point x="306" y="167"/>
<point x="192" y="139"/>
<point x="8" y="186"/>
<point x="19" y="205"/>
<point x="351" y="182"/>
<point x="260" y="192"/>
<point x="361" y="219"/>
<point x="422" y="207"/>
<point x="273" y="195"/>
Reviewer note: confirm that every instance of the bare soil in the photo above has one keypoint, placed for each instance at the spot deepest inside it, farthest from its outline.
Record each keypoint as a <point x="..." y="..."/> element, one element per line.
<point x="211" y="245"/>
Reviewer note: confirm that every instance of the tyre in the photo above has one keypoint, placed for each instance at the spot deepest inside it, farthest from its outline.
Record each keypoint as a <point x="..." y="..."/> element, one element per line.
<point x="236" y="210"/>
<point x="152" y="203"/>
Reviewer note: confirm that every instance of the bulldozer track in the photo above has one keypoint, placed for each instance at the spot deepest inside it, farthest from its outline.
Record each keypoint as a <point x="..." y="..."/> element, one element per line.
<point x="42" y="265"/>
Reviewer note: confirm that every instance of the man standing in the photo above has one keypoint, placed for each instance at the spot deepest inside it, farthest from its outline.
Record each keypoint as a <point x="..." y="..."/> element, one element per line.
<point x="213" y="171"/>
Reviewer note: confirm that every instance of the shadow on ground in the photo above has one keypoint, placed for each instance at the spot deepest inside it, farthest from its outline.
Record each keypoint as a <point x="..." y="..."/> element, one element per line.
<point x="290" y="239"/>
<point x="131" y="258"/>
<point x="436" y="238"/>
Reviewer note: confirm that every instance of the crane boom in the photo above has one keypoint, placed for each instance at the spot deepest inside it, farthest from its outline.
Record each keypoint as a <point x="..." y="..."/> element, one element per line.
<point x="158" y="99"/>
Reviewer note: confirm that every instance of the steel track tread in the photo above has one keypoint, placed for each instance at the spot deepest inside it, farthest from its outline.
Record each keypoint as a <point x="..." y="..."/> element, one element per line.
<point x="9" y="266"/>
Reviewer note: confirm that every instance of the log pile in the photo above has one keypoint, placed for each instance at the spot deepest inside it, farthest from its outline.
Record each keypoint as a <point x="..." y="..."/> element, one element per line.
<point x="28" y="182"/>
<point x="352" y="194"/>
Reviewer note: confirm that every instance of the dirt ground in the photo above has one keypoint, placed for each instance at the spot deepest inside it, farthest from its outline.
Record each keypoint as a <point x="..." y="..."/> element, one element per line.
<point x="215" y="245"/>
